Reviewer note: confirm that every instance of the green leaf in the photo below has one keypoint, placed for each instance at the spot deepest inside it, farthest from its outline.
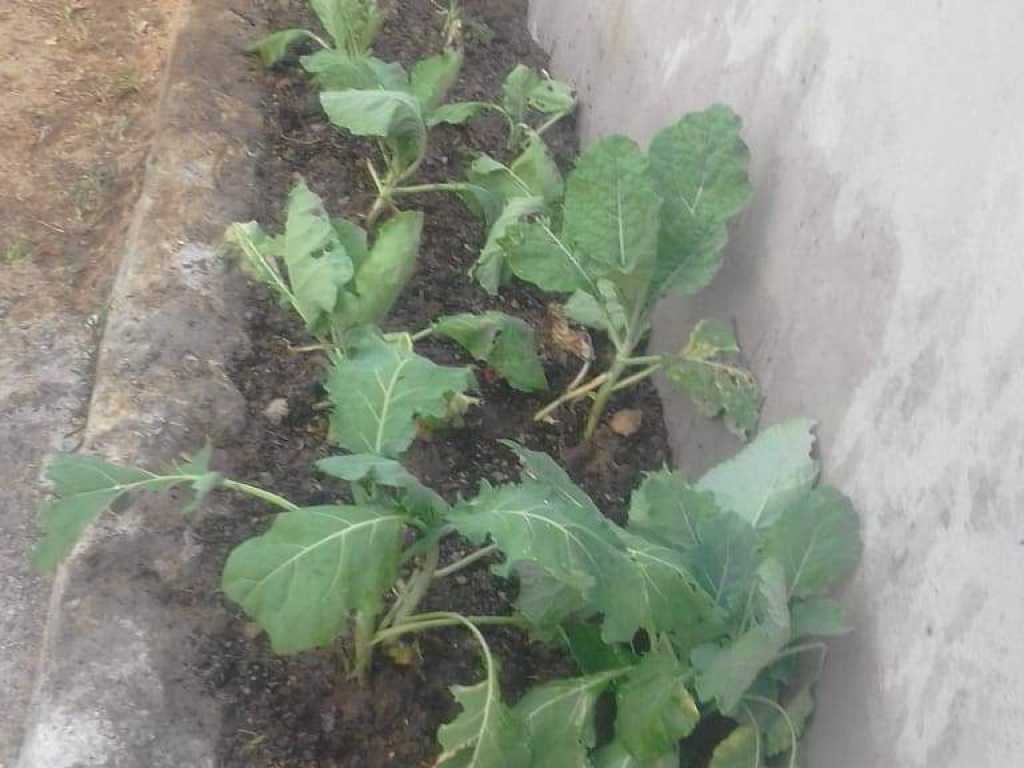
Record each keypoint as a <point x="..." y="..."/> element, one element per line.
<point x="551" y="96"/>
<point x="587" y="310"/>
<point x="380" y="387"/>
<point x="611" y="211"/>
<point x="507" y="344"/>
<point x="768" y="475"/>
<point x="335" y="70"/>
<point x="549" y="524"/>
<point x="818" y="617"/>
<point x="591" y="653"/>
<point x="700" y="170"/>
<point x="486" y="734"/>
<point x="274" y="47"/>
<point x="84" y="487"/>
<point x="491" y="269"/>
<point x="390" y="115"/>
<point x="532" y="174"/>
<point x="706" y="371"/>
<point x="666" y="508"/>
<point x="738" y="750"/>
<point x="419" y="500"/>
<point x="615" y="755"/>
<point x="545" y="601"/>
<point x="559" y="720"/>
<point x="654" y="710"/>
<point x="516" y="90"/>
<point x="353" y="24"/>
<point x="456" y="113"/>
<point x="433" y="77"/>
<point x="383" y="273"/>
<point x="725" y="559"/>
<point x="671" y="599"/>
<point x="303" y="578"/>
<point x="728" y="673"/>
<point x="539" y="256"/>
<point x="315" y="260"/>
<point x="817" y="539"/>
<point x="204" y="480"/>
<point x="777" y="733"/>
<point x="318" y="265"/>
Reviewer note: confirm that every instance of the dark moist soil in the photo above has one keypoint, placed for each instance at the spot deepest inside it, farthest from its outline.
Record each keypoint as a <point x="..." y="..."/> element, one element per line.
<point x="299" y="711"/>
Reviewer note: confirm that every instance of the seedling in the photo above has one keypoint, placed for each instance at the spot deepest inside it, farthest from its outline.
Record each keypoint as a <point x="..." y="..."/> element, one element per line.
<point x="351" y="27"/>
<point x="697" y="607"/>
<point x="635" y="228"/>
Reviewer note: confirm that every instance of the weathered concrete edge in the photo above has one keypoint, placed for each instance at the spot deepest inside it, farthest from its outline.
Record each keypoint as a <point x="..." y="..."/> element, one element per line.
<point x="113" y="688"/>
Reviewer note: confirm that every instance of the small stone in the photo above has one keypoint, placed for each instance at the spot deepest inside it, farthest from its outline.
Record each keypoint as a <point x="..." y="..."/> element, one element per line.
<point x="627" y="421"/>
<point x="276" y="410"/>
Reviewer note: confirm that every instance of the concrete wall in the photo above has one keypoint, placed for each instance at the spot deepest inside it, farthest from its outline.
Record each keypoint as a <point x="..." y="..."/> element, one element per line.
<point x="878" y="285"/>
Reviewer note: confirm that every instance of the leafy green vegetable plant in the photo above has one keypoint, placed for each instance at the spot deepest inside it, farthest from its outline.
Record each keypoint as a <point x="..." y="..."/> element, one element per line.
<point x="342" y="287"/>
<point x="636" y="227"/>
<point x="697" y="608"/>
<point x="351" y="26"/>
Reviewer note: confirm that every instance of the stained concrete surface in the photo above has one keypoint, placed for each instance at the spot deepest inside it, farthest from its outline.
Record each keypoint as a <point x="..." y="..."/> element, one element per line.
<point x="877" y="284"/>
<point x="44" y="385"/>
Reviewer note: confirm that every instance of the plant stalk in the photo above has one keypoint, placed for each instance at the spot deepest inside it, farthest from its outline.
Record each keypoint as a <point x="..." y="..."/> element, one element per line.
<point x="572" y="394"/>
<point x="418" y="585"/>
<point x="466" y="561"/>
<point x="601" y="400"/>
<point x="259" y="493"/>
<point x="363" y="639"/>
<point x="425" y="621"/>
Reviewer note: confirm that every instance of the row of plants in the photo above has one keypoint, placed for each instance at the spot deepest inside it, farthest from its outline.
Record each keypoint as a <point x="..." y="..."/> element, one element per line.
<point x="700" y="608"/>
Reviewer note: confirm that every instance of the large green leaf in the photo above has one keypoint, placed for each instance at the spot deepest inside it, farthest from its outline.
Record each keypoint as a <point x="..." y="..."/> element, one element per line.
<point x="394" y="116"/>
<point x="274" y="47"/>
<point x="738" y="750"/>
<point x="706" y="369"/>
<point x="778" y="732"/>
<point x="353" y="24"/>
<point x="768" y="475"/>
<point x="524" y="89"/>
<point x="548" y="524"/>
<point x="671" y="599"/>
<point x="303" y="578"/>
<point x="818" y="617"/>
<point x="433" y="77"/>
<point x="666" y="508"/>
<point x="505" y="343"/>
<point x="591" y="653"/>
<point x="335" y="70"/>
<point x="86" y="486"/>
<point x="383" y="272"/>
<point x="538" y="255"/>
<point x="545" y="601"/>
<point x="654" y="710"/>
<point x="611" y="212"/>
<point x="615" y="755"/>
<point x="455" y="113"/>
<point x="726" y="674"/>
<point x="725" y="559"/>
<point x="486" y="734"/>
<point x="316" y="264"/>
<point x="491" y="268"/>
<point x="700" y="169"/>
<point x="817" y="539"/>
<point x="533" y="173"/>
<point x="379" y="388"/>
<point x="559" y="720"/>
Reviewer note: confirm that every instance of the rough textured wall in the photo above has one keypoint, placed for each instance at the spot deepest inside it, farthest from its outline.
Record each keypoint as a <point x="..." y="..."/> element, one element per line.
<point x="878" y="285"/>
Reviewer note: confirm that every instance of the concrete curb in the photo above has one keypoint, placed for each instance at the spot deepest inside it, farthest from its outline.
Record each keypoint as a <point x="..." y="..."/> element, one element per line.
<point x="113" y="688"/>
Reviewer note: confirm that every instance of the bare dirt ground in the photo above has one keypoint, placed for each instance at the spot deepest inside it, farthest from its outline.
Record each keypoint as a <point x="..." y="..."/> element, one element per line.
<point x="79" y="82"/>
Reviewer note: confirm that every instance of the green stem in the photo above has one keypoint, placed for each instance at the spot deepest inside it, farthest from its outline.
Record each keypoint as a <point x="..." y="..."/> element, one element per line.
<point x="418" y="585"/>
<point x="629" y="381"/>
<point x="642" y="360"/>
<point x="259" y="493"/>
<point x="363" y="639"/>
<point x="424" y="621"/>
<point x="418" y="189"/>
<point x="467" y="561"/>
<point x="420" y="335"/>
<point x="793" y="740"/>
<point x="572" y="394"/>
<point x="601" y="400"/>
<point x="546" y="125"/>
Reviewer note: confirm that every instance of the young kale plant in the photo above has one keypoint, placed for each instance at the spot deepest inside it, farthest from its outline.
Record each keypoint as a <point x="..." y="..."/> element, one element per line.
<point x="634" y="228"/>
<point x="351" y="25"/>
<point x="342" y="287"/>
<point x="700" y="607"/>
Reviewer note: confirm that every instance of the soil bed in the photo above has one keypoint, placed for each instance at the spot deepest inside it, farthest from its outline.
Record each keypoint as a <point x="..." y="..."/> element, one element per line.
<point x="299" y="711"/>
